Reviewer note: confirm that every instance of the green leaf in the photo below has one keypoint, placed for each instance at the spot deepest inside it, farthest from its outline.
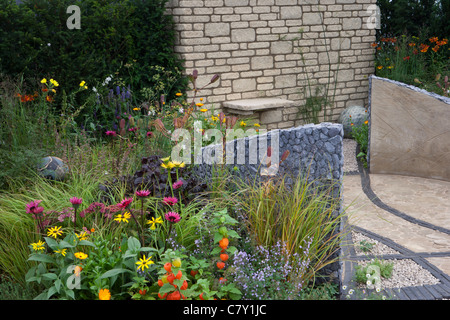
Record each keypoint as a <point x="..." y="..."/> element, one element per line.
<point x="51" y="292"/>
<point x="64" y="244"/>
<point x="49" y="276"/>
<point x="361" y="154"/>
<point x="217" y="237"/>
<point x="41" y="257"/>
<point x="114" y="272"/>
<point x="233" y="234"/>
<point x="86" y="243"/>
<point x="216" y="251"/>
<point x="58" y="285"/>
<point x="51" y="242"/>
<point x="167" y="287"/>
<point x="231" y="249"/>
<point x="70" y="293"/>
<point x="133" y="244"/>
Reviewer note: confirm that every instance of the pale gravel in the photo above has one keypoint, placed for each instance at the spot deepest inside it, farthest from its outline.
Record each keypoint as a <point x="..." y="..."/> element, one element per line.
<point x="350" y="162"/>
<point x="406" y="272"/>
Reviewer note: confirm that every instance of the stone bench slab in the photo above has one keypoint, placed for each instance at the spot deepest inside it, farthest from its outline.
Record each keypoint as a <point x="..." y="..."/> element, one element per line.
<point x="255" y="105"/>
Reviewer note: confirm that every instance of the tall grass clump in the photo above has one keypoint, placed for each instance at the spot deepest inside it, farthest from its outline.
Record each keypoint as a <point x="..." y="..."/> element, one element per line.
<point x="17" y="227"/>
<point x="299" y="214"/>
<point x="26" y="130"/>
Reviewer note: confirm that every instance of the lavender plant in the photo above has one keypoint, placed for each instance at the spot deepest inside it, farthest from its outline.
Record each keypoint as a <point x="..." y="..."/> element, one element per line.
<point x="270" y="273"/>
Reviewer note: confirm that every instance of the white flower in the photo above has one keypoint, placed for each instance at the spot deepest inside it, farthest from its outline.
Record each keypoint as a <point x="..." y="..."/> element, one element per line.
<point x="344" y="287"/>
<point x="94" y="89"/>
<point x="49" y="44"/>
<point x="378" y="289"/>
<point x="181" y="110"/>
<point x="350" y="291"/>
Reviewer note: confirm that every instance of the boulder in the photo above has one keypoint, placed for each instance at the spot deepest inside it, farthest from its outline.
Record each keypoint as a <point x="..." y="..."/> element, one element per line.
<point x="53" y="168"/>
<point x="353" y="114"/>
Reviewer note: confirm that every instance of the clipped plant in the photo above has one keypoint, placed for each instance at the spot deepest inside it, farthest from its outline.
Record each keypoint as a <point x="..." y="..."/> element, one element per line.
<point x="361" y="134"/>
<point x="362" y="273"/>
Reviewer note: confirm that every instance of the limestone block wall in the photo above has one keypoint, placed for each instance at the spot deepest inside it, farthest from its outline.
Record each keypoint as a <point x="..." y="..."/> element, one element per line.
<point x="254" y="46"/>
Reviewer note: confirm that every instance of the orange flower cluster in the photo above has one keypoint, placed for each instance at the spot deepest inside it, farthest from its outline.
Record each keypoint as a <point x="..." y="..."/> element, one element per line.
<point x="423" y="47"/>
<point x="27" y="97"/>
<point x="169" y="277"/>
<point x="223" y="255"/>
<point x="391" y="40"/>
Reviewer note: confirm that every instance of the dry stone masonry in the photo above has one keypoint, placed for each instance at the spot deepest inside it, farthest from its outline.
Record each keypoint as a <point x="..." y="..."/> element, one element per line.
<point x="255" y="45"/>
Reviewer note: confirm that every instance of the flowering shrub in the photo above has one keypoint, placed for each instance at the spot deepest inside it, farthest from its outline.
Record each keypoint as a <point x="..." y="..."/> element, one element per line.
<point x="269" y="273"/>
<point x="413" y="60"/>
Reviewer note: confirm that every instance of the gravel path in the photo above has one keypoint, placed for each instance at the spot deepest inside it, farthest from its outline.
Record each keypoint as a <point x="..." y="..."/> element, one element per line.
<point x="406" y="272"/>
<point x="350" y="164"/>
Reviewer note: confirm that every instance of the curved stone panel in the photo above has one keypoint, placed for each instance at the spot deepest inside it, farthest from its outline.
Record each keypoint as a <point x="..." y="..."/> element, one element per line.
<point x="409" y="130"/>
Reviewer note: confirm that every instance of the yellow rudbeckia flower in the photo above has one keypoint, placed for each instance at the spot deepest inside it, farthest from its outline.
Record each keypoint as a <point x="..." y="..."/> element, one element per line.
<point x="144" y="263"/>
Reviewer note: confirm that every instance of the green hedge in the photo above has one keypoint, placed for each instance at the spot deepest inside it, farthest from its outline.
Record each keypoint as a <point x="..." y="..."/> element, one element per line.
<point x="120" y="37"/>
<point x="425" y="18"/>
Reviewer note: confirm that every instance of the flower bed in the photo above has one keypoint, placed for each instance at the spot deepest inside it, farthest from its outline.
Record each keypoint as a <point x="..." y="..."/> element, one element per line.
<point x="126" y="223"/>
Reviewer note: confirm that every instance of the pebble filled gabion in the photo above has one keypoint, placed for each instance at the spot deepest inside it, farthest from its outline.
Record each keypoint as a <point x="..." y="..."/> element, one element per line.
<point x="315" y="151"/>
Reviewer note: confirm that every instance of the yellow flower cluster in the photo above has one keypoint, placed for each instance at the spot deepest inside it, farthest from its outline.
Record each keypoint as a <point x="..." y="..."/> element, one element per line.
<point x="172" y="164"/>
<point x="123" y="217"/>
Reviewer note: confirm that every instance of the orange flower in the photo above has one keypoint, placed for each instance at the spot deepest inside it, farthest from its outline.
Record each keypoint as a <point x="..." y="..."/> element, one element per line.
<point x="406" y="58"/>
<point x="104" y="294"/>
<point x="412" y="44"/>
<point x="26" y="98"/>
<point x="435" y="48"/>
<point x="433" y="39"/>
<point x="380" y="67"/>
<point x="424" y="47"/>
<point x="224" y="257"/>
<point x="223" y="243"/>
<point x="374" y="45"/>
<point x="220" y="265"/>
<point x="49" y="99"/>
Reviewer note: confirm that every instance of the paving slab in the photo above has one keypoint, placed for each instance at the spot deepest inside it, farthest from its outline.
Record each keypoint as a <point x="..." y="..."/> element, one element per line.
<point x="409" y="213"/>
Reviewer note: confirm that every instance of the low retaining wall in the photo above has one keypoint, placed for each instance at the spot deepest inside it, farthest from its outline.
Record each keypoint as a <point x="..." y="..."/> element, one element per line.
<point x="409" y="132"/>
<point x="315" y="152"/>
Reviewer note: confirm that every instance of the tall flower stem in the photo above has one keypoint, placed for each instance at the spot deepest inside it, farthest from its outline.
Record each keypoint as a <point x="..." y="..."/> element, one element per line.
<point x="75" y="220"/>
<point x="138" y="228"/>
<point x="168" y="235"/>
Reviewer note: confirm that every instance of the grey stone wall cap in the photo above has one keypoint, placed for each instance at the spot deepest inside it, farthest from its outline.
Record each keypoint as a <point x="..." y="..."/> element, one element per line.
<point x="257" y="104"/>
<point x="416" y="89"/>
